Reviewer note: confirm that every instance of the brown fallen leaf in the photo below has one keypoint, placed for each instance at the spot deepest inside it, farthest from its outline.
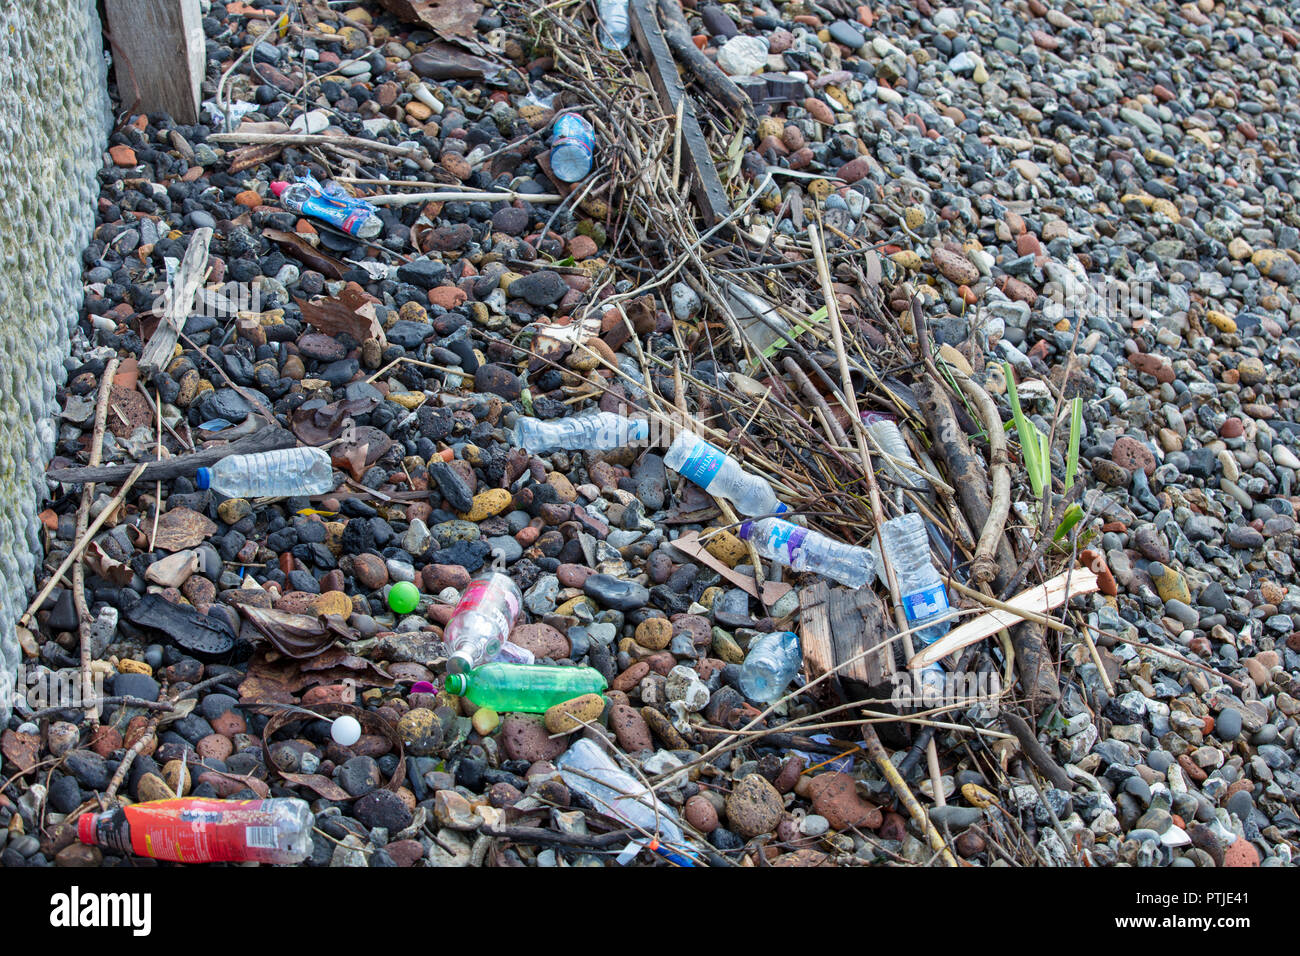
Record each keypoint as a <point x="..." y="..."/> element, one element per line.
<point x="181" y="528"/>
<point x="295" y="635"/>
<point x="322" y="785"/>
<point x="447" y="18"/>
<point x="353" y="312"/>
<point x="115" y="572"/>
<point x="20" y="749"/>
<point x="316" y="426"/>
<point x="303" y="250"/>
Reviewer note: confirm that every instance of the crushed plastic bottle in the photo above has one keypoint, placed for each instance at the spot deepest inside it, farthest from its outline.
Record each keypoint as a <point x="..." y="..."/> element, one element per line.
<point x="721" y="475"/>
<point x="196" y="830"/>
<point x="801" y="549"/>
<point x="771" y="664"/>
<point x="615" y="31"/>
<point x="923" y="593"/>
<point x="573" y="147"/>
<point x="757" y="318"/>
<point x="586" y="769"/>
<point x="284" y="472"/>
<point x="331" y="204"/>
<point x="482" y="620"/>
<point x="599" y="432"/>
<point x="523" y="688"/>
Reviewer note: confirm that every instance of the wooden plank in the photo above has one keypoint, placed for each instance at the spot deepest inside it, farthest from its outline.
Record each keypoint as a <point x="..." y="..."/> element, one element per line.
<point x="706" y="187"/>
<point x="180" y="300"/>
<point x="837" y="624"/>
<point x="689" y="544"/>
<point x="159" y="57"/>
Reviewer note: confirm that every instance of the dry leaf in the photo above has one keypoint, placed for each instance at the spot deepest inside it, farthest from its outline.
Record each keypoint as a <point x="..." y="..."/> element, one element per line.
<point x="20" y="749"/>
<point x="352" y="312"/>
<point x="447" y="18"/>
<point x="303" y="250"/>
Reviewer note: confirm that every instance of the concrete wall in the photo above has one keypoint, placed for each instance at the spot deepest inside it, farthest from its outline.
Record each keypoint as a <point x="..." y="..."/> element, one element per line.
<point x="54" y="122"/>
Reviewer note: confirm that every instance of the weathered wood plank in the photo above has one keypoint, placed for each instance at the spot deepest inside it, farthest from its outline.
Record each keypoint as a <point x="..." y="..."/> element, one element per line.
<point x="180" y="301"/>
<point x="158" y="48"/>
<point x="837" y="624"/>
<point x="706" y="187"/>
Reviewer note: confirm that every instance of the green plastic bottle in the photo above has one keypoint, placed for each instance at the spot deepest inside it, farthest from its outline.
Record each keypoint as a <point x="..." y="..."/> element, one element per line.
<point x="524" y="688"/>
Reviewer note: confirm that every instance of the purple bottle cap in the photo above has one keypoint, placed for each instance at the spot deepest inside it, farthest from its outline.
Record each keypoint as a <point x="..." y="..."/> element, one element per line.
<point x="745" y="530"/>
<point x="422" y="687"/>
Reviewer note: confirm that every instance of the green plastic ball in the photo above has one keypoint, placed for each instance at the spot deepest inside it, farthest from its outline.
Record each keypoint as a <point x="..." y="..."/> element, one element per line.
<point x="403" y="597"/>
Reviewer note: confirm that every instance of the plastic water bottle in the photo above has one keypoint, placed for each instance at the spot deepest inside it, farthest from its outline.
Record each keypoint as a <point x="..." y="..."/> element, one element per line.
<point x="923" y="593"/>
<point x="196" y="830"/>
<point x="331" y="204"/>
<point x="585" y="433"/>
<point x="482" y="620"/>
<point x="585" y="768"/>
<point x="890" y="439"/>
<point x="772" y="662"/>
<point x="572" y="148"/>
<point x="721" y="475"/>
<point x="283" y="472"/>
<point x="524" y="688"/>
<point x="615" y="30"/>
<point x="801" y="549"/>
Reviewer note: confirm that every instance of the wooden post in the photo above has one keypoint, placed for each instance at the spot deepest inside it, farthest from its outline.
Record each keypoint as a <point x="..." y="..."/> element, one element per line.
<point x="158" y="55"/>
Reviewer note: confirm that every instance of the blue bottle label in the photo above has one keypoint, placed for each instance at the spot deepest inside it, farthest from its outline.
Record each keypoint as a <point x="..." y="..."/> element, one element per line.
<point x="925" y="603"/>
<point x="703" y="463"/>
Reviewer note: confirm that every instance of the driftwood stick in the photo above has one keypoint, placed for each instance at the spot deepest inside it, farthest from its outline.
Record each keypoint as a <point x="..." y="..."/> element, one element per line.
<point x="334" y="142"/>
<point x="677" y="33"/>
<point x="267" y="438"/>
<point x="83" y="519"/>
<point x="1037" y="753"/>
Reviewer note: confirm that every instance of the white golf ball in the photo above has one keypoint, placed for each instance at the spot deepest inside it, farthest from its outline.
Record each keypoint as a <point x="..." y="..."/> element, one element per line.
<point x="345" y="730"/>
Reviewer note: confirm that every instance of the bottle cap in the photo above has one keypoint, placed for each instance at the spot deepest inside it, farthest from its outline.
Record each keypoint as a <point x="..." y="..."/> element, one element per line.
<point x="745" y="530"/>
<point x="203" y="478"/>
<point x="278" y="187"/>
<point x="456" y="684"/>
<point x="781" y="508"/>
<point x="86" y="828"/>
<point x="403" y="597"/>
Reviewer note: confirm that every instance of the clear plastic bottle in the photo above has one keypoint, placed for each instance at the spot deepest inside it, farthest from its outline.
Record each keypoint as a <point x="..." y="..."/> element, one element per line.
<point x="771" y="664"/>
<point x="801" y="549"/>
<point x="586" y="433"/>
<point x="572" y="148"/>
<point x="524" y="688"/>
<point x="924" y="596"/>
<point x="890" y="439"/>
<point x="482" y="620"/>
<point x="283" y="472"/>
<point x="196" y="830"/>
<point x="721" y="475"/>
<point x="585" y="768"/>
<point x="615" y="29"/>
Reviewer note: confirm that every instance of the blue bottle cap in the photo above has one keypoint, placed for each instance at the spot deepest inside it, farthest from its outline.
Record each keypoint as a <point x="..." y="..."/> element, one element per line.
<point x="781" y="508"/>
<point x="203" y="478"/>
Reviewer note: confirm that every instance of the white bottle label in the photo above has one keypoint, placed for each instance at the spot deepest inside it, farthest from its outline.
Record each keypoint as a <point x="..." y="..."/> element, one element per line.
<point x="925" y="603"/>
